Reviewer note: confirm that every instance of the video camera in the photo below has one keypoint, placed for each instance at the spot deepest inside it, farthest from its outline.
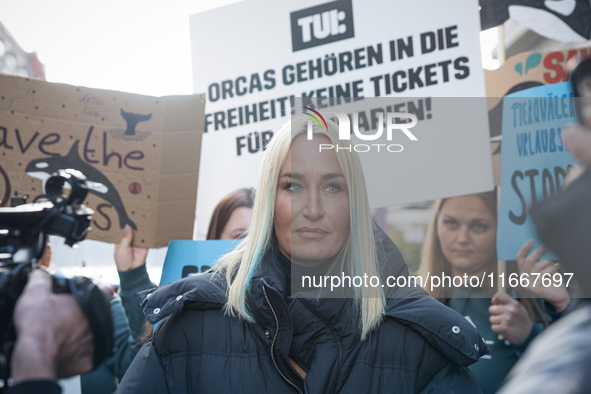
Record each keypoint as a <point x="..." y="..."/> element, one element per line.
<point x="24" y="230"/>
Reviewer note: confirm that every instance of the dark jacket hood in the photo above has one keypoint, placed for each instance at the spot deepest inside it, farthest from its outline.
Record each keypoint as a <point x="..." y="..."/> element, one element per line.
<point x="410" y="305"/>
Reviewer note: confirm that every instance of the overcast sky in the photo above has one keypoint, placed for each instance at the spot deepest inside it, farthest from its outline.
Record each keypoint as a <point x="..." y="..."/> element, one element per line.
<point x="133" y="46"/>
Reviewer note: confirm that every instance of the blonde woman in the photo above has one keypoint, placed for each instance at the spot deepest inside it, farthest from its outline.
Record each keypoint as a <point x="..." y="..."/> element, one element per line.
<point x="243" y="329"/>
<point x="461" y="240"/>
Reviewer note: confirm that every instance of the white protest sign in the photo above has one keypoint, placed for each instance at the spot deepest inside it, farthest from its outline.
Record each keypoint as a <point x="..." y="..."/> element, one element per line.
<point x="252" y="57"/>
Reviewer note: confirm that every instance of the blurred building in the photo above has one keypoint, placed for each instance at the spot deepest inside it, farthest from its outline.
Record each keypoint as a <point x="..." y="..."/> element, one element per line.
<point x="15" y="61"/>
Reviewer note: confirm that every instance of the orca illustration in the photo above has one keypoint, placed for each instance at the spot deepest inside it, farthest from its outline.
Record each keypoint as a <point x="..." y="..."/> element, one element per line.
<point x="132" y="120"/>
<point x="97" y="183"/>
<point x="562" y="20"/>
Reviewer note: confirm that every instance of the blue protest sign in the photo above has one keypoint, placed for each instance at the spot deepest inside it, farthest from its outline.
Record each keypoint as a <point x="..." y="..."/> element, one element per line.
<point x="185" y="257"/>
<point x="534" y="160"/>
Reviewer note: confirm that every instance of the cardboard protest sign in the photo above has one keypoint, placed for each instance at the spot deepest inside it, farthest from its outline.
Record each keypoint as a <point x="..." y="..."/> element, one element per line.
<point x="185" y="258"/>
<point x="534" y="160"/>
<point x="524" y="71"/>
<point x="530" y="69"/>
<point x="252" y="70"/>
<point x="140" y="154"/>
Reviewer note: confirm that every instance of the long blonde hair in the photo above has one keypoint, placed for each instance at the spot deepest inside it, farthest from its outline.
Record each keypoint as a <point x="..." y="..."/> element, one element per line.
<point x="434" y="262"/>
<point x="432" y="259"/>
<point x="240" y="265"/>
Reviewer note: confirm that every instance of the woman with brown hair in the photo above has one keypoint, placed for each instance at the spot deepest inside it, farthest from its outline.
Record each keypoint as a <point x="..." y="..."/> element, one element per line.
<point x="460" y="242"/>
<point x="231" y="216"/>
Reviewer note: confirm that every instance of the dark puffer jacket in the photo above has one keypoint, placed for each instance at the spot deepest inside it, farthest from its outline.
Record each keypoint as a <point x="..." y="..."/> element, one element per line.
<point x="421" y="346"/>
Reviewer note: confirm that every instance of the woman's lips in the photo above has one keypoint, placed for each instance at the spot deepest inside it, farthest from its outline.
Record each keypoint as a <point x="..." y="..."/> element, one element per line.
<point x="310" y="232"/>
<point x="463" y="252"/>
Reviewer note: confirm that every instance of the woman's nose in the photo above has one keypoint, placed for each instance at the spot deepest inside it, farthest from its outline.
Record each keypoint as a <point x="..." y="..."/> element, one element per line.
<point x="313" y="209"/>
<point x="463" y="235"/>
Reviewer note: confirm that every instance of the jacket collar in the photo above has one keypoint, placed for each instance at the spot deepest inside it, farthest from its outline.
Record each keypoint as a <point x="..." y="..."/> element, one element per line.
<point x="410" y="305"/>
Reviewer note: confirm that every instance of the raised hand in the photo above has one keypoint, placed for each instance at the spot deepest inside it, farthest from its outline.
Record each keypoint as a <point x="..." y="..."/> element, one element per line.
<point x="128" y="257"/>
<point x="536" y="268"/>
<point x="509" y="318"/>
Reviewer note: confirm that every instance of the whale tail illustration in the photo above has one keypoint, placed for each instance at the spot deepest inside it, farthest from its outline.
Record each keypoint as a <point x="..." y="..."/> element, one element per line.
<point x="132" y="120"/>
<point x="124" y="219"/>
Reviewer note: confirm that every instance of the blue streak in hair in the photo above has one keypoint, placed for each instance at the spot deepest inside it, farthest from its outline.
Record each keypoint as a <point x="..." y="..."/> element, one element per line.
<point x="253" y="267"/>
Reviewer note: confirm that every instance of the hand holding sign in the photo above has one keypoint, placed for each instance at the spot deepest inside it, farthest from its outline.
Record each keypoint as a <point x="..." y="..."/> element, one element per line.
<point x="534" y="267"/>
<point x="509" y="318"/>
<point x="128" y="257"/>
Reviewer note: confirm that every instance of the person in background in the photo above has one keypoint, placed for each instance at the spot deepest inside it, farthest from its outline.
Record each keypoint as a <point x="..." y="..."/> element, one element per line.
<point x="133" y="277"/>
<point x="231" y="216"/>
<point x="230" y="220"/>
<point x="461" y="239"/>
<point x="54" y="339"/>
<point x="559" y="361"/>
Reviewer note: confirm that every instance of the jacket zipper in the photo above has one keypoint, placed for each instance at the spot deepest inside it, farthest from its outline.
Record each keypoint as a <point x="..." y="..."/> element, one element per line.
<point x="273" y="343"/>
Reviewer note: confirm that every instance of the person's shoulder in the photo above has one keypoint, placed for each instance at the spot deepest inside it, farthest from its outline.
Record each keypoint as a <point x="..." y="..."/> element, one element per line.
<point x="439" y="364"/>
<point x="441" y="327"/>
<point x="198" y="292"/>
<point x="557" y="360"/>
<point x="204" y="325"/>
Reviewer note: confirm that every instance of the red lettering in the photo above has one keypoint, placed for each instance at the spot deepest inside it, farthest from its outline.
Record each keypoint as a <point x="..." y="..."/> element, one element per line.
<point x="549" y="64"/>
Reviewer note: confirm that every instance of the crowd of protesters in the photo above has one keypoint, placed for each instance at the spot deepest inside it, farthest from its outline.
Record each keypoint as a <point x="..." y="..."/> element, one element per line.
<point x="240" y="328"/>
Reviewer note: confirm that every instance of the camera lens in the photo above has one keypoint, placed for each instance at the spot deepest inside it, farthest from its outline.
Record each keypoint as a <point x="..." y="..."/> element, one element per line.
<point x="66" y="187"/>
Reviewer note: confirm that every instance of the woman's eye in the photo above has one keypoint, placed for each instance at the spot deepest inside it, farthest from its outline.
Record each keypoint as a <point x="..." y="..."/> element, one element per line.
<point x="333" y="188"/>
<point x="450" y="223"/>
<point x="479" y="227"/>
<point x="292" y="187"/>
